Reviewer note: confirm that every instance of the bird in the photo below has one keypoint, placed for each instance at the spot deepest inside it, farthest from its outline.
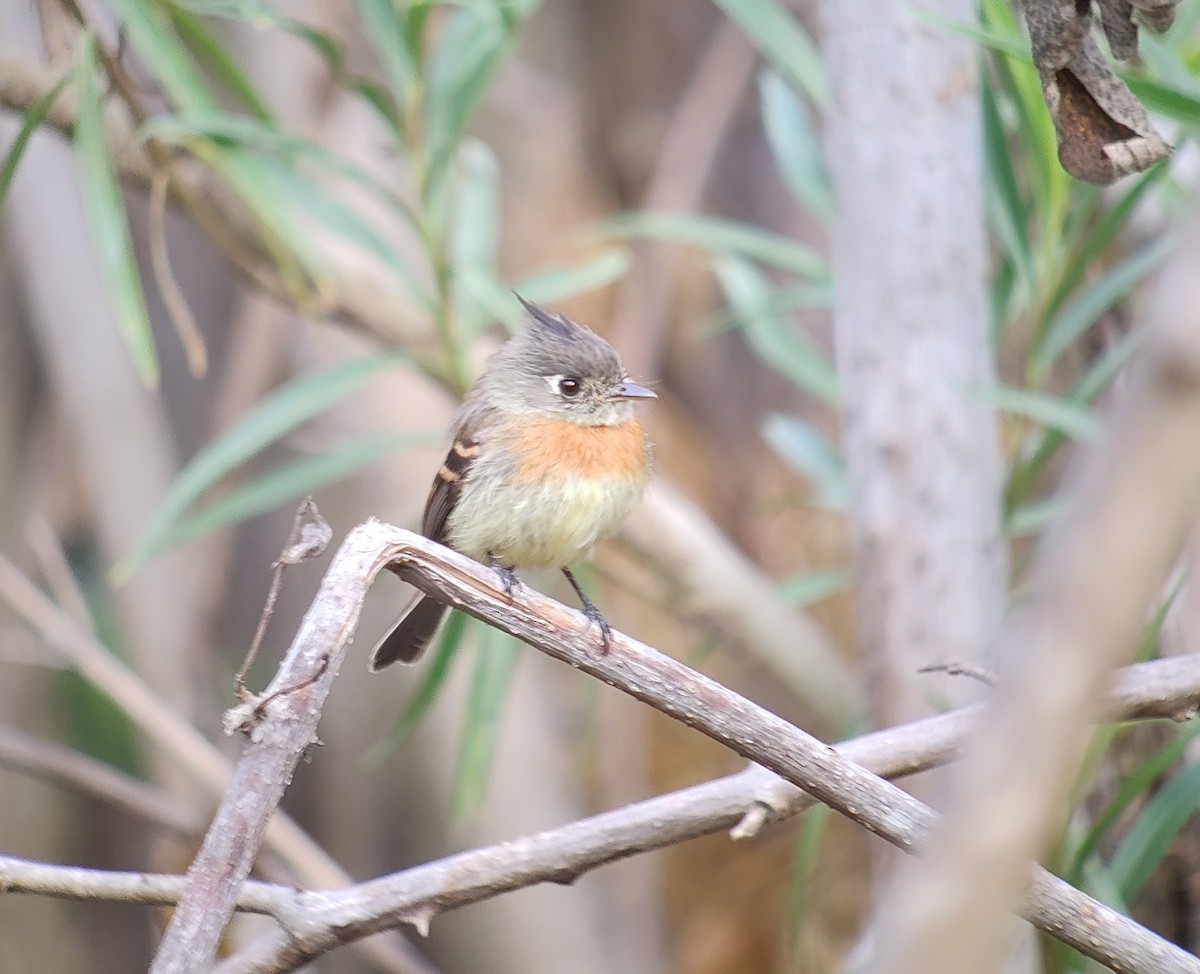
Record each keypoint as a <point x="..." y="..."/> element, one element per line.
<point x="547" y="458"/>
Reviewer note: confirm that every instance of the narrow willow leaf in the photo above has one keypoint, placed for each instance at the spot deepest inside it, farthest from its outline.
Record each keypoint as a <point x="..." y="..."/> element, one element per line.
<point x="794" y="144"/>
<point x="475" y="232"/>
<point x="719" y="236"/>
<point x="496" y="656"/>
<point x="784" y="42"/>
<point x="288" y="482"/>
<point x="1181" y="105"/>
<point x="809" y="452"/>
<point x="560" y="283"/>
<point x="158" y="44"/>
<point x="277" y="414"/>
<point x="1033" y="518"/>
<point x="805" y="856"/>
<point x="106" y="212"/>
<point x="1068" y="416"/>
<point x="210" y="53"/>
<point x="1151" y="835"/>
<point x="1097" y="378"/>
<point x="1137" y="784"/>
<point x="778" y="341"/>
<point x="804" y="590"/>
<point x="468" y="51"/>
<point x="383" y="27"/>
<point x="32" y="118"/>
<point x="1093" y="239"/>
<point x="1096" y="299"/>
<point x="1005" y="206"/>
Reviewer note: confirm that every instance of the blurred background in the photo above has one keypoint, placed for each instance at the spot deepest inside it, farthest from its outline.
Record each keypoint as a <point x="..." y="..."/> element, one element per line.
<point x="259" y="250"/>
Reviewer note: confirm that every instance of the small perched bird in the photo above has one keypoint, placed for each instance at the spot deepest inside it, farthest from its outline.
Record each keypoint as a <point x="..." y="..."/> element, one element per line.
<point x="548" y="457"/>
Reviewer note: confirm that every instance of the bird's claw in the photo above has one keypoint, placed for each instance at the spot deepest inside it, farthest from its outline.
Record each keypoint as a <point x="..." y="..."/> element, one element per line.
<point x="509" y="579"/>
<point x="595" y="616"/>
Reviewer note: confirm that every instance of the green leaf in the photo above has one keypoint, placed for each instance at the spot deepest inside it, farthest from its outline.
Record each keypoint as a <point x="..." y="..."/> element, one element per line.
<point x="803" y="590"/>
<point x="433" y="678"/>
<point x="1066" y="415"/>
<point x="1035" y="130"/>
<point x="794" y="144"/>
<point x="1097" y="378"/>
<point x="1034" y="517"/>
<point x="384" y="28"/>
<point x="286" y="482"/>
<point x="809" y="452"/>
<point x="784" y="42"/>
<point x="277" y="414"/>
<point x="718" y="235"/>
<point x="158" y="44"/>
<point x="1096" y="299"/>
<point x="1090" y="242"/>
<point x="470" y="47"/>
<point x="293" y="189"/>
<point x="106" y="211"/>
<point x="805" y="856"/>
<point x="778" y="341"/>
<point x="29" y="123"/>
<point x="1155" y="829"/>
<point x="1001" y="37"/>
<point x="208" y="52"/>
<point x="1005" y="207"/>
<point x="777" y="302"/>
<point x="496" y="656"/>
<point x="557" y="284"/>
<point x="1163" y="98"/>
<point x="475" y="230"/>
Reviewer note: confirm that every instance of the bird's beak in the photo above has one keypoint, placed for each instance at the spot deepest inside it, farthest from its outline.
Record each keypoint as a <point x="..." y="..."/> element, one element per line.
<point x="631" y="390"/>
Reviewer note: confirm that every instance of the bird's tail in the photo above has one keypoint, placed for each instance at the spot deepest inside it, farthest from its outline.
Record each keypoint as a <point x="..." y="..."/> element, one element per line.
<point x="407" y="639"/>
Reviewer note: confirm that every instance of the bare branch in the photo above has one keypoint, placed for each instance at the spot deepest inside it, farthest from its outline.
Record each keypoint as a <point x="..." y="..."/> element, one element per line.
<point x="317" y="922"/>
<point x="288" y="722"/>
<point x="184" y="743"/>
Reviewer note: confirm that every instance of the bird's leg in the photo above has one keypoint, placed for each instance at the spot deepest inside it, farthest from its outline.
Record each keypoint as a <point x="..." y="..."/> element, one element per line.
<point x="593" y="613"/>
<point x="508" y="575"/>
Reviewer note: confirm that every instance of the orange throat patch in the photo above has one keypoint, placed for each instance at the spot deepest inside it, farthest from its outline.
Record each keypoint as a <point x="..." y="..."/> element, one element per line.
<point x="557" y="450"/>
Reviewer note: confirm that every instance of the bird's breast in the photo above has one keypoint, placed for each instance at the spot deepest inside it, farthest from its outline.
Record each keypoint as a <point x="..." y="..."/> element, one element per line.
<point x="573" y="486"/>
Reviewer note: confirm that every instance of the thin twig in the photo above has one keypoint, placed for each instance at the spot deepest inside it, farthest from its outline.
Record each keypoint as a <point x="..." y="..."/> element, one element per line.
<point x="176" y="304"/>
<point x="44" y="759"/>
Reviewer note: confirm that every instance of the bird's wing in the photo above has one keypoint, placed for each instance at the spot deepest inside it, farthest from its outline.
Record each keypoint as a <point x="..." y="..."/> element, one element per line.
<point x="447" y="485"/>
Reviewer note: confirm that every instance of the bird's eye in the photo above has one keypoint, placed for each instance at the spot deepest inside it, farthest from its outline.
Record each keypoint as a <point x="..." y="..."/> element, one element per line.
<point x="569" y="386"/>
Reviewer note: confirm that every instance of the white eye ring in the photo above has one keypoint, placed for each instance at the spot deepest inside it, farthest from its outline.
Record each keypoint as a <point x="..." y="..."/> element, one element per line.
<point x="565" y="385"/>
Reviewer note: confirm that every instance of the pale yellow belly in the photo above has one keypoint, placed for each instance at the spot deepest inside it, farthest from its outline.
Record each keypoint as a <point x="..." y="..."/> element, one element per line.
<point x="551" y="525"/>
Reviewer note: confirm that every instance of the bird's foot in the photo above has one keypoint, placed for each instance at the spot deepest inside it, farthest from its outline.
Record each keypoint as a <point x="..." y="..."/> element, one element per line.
<point x="595" y="616"/>
<point x="509" y="579"/>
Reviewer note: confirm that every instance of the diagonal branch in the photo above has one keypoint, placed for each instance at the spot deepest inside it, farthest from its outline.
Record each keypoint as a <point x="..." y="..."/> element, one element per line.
<point x="281" y="727"/>
<point x="317" y="922"/>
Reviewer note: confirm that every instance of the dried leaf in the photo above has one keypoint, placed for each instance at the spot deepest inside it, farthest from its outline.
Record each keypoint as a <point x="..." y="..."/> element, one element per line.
<point x="310" y="536"/>
<point x="1103" y="130"/>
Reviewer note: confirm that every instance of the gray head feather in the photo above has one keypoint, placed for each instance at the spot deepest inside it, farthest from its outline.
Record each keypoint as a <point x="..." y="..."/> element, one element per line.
<point x="523" y="374"/>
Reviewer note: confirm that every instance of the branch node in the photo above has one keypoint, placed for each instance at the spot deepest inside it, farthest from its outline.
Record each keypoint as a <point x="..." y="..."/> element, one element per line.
<point x="757" y="815"/>
<point x="420" y="919"/>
